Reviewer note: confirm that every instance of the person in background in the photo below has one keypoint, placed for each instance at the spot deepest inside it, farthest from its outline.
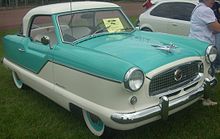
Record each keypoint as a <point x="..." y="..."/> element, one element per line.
<point x="147" y="4"/>
<point x="204" y="26"/>
<point x="216" y="9"/>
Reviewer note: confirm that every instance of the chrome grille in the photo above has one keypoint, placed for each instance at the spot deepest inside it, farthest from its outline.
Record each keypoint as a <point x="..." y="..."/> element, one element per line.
<point x="165" y="81"/>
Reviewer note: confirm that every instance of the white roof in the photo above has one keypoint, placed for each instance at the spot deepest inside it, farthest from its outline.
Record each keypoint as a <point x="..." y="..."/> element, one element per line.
<point x="63" y="7"/>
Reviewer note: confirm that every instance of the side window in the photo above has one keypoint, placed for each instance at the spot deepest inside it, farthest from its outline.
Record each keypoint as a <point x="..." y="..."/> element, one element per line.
<point x="174" y="10"/>
<point x="162" y="10"/>
<point x="75" y="26"/>
<point x="42" y="26"/>
<point x="182" y="11"/>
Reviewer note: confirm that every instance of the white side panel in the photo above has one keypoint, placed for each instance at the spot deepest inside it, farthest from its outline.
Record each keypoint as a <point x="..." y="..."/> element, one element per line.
<point x="64" y="97"/>
<point x="178" y="27"/>
<point x="33" y="80"/>
<point x="97" y="90"/>
<point x="70" y="83"/>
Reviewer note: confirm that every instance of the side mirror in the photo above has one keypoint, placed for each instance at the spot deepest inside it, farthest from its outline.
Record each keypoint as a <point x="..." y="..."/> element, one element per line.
<point x="45" y="40"/>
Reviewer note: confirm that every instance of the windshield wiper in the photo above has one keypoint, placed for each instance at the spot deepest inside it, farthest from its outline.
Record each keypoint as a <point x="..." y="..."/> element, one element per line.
<point x="105" y="28"/>
<point x="125" y="29"/>
<point x="101" y="30"/>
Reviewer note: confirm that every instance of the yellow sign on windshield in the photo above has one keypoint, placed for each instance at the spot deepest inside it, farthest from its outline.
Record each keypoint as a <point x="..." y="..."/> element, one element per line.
<point x="113" y="24"/>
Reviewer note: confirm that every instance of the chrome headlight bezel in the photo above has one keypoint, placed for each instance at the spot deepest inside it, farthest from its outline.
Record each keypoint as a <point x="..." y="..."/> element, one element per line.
<point x="134" y="79"/>
<point x="211" y="54"/>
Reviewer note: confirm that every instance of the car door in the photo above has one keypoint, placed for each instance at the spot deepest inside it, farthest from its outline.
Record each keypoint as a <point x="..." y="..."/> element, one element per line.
<point x="172" y="17"/>
<point x="37" y="54"/>
<point x="159" y="17"/>
<point x="180" y="18"/>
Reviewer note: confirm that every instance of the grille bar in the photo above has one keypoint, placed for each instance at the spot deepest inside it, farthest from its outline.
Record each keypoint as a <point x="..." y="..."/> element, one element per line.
<point x="166" y="81"/>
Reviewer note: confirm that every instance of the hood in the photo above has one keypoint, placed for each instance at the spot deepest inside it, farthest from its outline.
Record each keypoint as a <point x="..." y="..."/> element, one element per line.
<point x="142" y="49"/>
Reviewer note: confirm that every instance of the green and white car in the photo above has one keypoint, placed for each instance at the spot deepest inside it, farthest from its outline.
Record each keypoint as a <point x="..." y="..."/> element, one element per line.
<point x="88" y="54"/>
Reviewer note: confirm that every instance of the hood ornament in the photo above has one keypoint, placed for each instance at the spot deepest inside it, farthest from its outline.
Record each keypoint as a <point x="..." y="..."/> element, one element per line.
<point x="168" y="48"/>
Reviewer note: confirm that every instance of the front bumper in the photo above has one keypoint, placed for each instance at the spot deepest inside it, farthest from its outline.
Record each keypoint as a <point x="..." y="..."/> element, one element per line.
<point x="162" y="109"/>
<point x="211" y="82"/>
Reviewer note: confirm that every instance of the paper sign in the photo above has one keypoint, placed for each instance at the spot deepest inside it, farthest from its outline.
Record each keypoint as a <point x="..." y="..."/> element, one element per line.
<point x="113" y="24"/>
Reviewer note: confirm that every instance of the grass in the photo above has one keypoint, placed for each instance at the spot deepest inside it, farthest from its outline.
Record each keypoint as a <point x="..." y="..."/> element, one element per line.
<point x="27" y="114"/>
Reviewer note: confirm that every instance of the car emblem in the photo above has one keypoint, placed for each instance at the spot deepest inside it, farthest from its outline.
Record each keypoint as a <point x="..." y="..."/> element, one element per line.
<point x="178" y="74"/>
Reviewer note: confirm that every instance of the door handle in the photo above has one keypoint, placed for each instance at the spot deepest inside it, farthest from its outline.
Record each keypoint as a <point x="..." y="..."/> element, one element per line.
<point x="21" y="50"/>
<point x="174" y="24"/>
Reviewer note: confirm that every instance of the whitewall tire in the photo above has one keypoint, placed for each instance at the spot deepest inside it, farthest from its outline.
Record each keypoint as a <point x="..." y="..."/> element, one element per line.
<point x="18" y="83"/>
<point x="94" y="123"/>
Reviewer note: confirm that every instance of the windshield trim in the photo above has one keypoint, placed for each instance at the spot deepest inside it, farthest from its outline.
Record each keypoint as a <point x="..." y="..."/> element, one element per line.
<point x="94" y="35"/>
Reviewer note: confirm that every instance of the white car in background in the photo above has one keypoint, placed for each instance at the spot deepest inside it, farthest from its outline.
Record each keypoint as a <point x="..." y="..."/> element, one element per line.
<point x="168" y="16"/>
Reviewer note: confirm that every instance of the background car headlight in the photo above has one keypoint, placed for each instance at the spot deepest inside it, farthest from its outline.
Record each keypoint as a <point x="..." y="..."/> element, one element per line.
<point x="134" y="79"/>
<point x="211" y="54"/>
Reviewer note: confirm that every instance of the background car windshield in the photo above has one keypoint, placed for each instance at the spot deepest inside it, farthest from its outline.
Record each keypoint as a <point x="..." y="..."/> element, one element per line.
<point x="77" y="25"/>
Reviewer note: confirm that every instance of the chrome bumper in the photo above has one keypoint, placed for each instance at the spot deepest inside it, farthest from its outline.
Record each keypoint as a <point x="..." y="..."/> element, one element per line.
<point x="211" y="82"/>
<point x="161" y="109"/>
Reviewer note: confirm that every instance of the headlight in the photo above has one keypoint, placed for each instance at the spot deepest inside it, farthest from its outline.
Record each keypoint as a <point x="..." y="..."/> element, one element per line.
<point x="211" y="54"/>
<point x="134" y="79"/>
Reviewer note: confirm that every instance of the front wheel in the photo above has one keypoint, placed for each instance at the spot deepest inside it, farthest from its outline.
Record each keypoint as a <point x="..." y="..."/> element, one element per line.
<point x="18" y="83"/>
<point x="94" y="123"/>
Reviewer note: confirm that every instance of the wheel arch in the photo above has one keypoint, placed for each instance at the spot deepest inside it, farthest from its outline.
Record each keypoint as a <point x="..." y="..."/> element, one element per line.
<point x="147" y="26"/>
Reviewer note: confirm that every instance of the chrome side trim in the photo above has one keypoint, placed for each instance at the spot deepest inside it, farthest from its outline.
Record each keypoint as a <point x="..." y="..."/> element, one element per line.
<point x="161" y="109"/>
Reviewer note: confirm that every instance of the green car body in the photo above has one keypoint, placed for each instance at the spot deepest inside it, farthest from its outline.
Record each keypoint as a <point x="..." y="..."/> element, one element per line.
<point x="124" y="50"/>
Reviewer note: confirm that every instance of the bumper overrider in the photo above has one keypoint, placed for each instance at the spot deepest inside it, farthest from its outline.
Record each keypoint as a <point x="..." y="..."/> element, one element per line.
<point x="162" y="109"/>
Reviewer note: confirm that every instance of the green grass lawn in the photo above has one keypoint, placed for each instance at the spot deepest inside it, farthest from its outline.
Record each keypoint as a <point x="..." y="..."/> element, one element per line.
<point x="27" y="114"/>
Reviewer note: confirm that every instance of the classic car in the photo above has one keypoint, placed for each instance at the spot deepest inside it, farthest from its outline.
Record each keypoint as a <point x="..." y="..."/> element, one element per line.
<point x="89" y="55"/>
<point x="168" y="16"/>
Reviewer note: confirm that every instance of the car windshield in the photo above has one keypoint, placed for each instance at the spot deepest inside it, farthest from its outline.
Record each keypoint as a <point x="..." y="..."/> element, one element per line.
<point x="77" y="25"/>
